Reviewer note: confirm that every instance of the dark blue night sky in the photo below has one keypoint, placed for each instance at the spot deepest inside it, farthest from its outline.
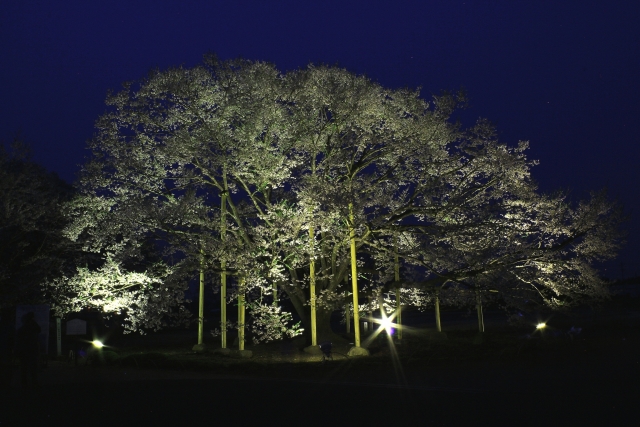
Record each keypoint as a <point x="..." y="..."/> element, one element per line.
<point x="562" y="74"/>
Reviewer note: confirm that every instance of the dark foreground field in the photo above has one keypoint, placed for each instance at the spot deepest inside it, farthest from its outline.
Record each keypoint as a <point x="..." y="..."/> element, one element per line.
<point x="507" y="379"/>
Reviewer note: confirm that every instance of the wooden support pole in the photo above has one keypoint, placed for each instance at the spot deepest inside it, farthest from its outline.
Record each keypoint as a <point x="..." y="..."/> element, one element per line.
<point x="354" y="276"/>
<point x="347" y="308"/>
<point x="312" y="288"/>
<point x="438" y="324"/>
<point x="396" y="270"/>
<point x="223" y="274"/>
<point x="201" y="302"/>
<point x="241" y="315"/>
<point x="479" y="309"/>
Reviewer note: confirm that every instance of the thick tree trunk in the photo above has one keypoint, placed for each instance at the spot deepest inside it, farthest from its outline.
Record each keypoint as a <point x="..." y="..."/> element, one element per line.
<point x="324" y="332"/>
<point x="323" y="326"/>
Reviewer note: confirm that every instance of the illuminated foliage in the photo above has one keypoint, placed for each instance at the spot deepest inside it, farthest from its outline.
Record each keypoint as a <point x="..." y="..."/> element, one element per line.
<point x="299" y="151"/>
<point x="111" y="290"/>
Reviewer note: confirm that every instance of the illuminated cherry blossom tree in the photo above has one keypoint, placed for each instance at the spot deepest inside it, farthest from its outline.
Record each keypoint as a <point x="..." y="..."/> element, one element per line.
<point x="284" y="181"/>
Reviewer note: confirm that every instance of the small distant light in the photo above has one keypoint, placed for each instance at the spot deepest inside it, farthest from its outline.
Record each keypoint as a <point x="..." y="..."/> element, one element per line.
<point x="97" y="344"/>
<point x="541" y="325"/>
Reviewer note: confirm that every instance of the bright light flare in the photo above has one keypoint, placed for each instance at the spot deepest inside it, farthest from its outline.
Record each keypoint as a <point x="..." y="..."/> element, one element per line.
<point x="541" y="325"/>
<point x="97" y="343"/>
<point x="387" y="324"/>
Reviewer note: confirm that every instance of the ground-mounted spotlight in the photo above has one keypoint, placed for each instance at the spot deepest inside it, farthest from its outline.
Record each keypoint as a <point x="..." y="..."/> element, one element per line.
<point x="387" y="324"/>
<point x="541" y="325"/>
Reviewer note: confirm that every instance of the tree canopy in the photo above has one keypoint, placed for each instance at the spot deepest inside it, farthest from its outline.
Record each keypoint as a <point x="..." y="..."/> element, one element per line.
<point x="32" y="248"/>
<point x="235" y="167"/>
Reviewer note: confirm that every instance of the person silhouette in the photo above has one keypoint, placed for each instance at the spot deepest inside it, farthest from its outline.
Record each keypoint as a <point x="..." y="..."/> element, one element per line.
<point x="28" y="350"/>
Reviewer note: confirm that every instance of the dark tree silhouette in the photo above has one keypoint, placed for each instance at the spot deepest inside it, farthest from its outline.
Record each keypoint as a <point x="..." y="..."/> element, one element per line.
<point x="32" y="248"/>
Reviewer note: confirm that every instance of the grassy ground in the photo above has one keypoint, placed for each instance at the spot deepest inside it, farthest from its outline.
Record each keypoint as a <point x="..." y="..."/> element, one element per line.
<point x="510" y="377"/>
<point x="602" y="337"/>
